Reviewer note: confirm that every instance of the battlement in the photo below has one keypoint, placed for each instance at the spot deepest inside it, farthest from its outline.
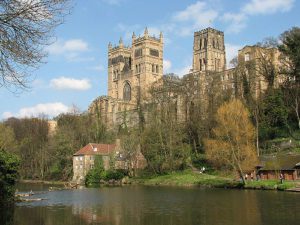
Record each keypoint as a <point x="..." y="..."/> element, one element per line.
<point x="209" y="30"/>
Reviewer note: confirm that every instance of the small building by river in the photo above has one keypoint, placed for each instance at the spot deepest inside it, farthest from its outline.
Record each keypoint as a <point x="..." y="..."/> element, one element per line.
<point x="271" y="167"/>
<point x="112" y="155"/>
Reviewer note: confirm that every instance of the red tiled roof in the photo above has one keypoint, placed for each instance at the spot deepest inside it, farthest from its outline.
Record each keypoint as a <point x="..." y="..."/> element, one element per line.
<point x="96" y="149"/>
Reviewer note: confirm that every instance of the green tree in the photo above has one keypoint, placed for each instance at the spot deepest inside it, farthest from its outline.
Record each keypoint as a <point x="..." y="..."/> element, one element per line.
<point x="9" y="165"/>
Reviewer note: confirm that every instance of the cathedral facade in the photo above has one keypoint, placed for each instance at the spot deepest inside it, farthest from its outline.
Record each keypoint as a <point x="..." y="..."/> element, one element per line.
<point x="133" y="70"/>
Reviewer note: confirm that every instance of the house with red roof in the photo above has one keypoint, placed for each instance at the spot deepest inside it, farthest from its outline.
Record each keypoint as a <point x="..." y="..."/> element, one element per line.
<point x="83" y="160"/>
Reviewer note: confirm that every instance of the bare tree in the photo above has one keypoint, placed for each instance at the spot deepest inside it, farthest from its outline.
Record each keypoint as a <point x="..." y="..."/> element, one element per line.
<point x="26" y="27"/>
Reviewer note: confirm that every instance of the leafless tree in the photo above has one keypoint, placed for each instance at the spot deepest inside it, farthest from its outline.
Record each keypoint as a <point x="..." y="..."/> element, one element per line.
<point x="26" y="27"/>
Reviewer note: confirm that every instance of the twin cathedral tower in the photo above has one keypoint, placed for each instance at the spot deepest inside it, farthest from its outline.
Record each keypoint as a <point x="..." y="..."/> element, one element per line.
<point x="133" y="70"/>
<point x="142" y="64"/>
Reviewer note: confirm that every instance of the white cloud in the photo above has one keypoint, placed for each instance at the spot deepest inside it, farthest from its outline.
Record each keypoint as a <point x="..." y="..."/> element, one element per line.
<point x="70" y="46"/>
<point x="182" y="71"/>
<point x="98" y="68"/>
<point x="267" y="6"/>
<point x="167" y="65"/>
<point x="231" y="52"/>
<point x="195" y="17"/>
<point x="48" y="109"/>
<point x="112" y="2"/>
<point x="63" y="83"/>
<point x="237" y="21"/>
<point x="7" y="115"/>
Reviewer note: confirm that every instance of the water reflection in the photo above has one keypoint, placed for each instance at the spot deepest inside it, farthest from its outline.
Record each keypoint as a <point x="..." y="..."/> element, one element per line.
<point x="157" y="205"/>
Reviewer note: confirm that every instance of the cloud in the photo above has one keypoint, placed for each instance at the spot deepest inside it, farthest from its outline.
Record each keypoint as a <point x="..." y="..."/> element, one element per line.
<point x="48" y="109"/>
<point x="237" y="21"/>
<point x="183" y="71"/>
<point x="63" y="83"/>
<point x="167" y="65"/>
<point x="7" y="115"/>
<point x="70" y="46"/>
<point x="71" y="50"/>
<point x="196" y="16"/>
<point x="98" y="68"/>
<point x="267" y="6"/>
<point x="112" y="2"/>
<point x="231" y="52"/>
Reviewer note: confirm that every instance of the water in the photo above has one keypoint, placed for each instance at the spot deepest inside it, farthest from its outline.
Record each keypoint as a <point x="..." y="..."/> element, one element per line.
<point x="133" y="205"/>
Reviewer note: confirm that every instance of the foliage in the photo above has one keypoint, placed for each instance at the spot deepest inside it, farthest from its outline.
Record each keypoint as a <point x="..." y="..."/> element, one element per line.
<point x="31" y="145"/>
<point x="26" y="28"/>
<point x="233" y="143"/>
<point x="9" y="166"/>
<point x="273" y="115"/>
<point x="290" y="49"/>
<point x="97" y="173"/>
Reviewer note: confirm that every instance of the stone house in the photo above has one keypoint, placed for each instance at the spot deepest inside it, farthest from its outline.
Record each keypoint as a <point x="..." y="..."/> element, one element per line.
<point x="112" y="155"/>
<point x="83" y="160"/>
<point x="271" y="167"/>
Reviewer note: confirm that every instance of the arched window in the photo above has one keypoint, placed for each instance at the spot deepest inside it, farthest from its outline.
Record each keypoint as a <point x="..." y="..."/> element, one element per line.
<point x="200" y="62"/>
<point x="127" y="92"/>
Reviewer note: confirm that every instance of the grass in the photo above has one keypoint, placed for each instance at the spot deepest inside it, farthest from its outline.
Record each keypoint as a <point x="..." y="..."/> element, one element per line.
<point x="270" y="185"/>
<point x="187" y="178"/>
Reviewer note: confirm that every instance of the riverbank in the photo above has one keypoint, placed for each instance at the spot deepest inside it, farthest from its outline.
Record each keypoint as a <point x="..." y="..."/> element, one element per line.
<point x="51" y="182"/>
<point x="190" y="178"/>
<point x="186" y="179"/>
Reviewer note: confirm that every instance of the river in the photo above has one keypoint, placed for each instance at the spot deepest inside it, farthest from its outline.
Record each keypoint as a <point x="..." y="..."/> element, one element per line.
<point x="134" y="205"/>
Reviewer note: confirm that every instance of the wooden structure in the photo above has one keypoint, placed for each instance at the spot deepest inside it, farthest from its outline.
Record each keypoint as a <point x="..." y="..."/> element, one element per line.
<point x="271" y="167"/>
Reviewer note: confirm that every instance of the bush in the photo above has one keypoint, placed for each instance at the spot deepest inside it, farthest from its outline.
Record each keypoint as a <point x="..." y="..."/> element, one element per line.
<point x="113" y="175"/>
<point x="9" y="165"/>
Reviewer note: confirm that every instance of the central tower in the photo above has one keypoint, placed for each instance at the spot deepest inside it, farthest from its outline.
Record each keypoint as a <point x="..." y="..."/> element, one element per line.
<point x="209" y="50"/>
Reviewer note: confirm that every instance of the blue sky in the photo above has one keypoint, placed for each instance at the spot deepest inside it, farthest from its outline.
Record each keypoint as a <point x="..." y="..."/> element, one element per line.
<point x="76" y="68"/>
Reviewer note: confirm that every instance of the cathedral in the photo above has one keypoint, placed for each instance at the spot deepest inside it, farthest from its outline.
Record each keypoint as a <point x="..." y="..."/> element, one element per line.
<point x="133" y="70"/>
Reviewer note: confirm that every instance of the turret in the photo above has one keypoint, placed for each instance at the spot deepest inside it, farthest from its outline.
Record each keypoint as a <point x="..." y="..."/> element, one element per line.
<point x="121" y="45"/>
<point x="146" y="34"/>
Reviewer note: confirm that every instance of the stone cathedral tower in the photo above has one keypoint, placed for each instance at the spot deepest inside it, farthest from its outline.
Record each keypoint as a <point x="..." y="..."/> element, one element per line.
<point x="209" y="51"/>
<point x="132" y="70"/>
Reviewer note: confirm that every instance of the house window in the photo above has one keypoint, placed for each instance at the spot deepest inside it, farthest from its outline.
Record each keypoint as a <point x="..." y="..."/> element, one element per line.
<point x="91" y="166"/>
<point x="157" y="69"/>
<point x="153" y="68"/>
<point x="247" y="57"/>
<point x="81" y="158"/>
<point x="127" y="92"/>
<point x="76" y="158"/>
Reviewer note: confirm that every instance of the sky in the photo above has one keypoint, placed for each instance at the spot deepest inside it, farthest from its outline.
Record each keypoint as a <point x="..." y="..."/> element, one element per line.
<point x="75" y="72"/>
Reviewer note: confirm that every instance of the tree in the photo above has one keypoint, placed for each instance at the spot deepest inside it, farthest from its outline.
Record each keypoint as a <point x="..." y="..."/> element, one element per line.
<point x="25" y="29"/>
<point x="9" y="165"/>
<point x="233" y="143"/>
<point x="290" y="61"/>
<point x="290" y="49"/>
